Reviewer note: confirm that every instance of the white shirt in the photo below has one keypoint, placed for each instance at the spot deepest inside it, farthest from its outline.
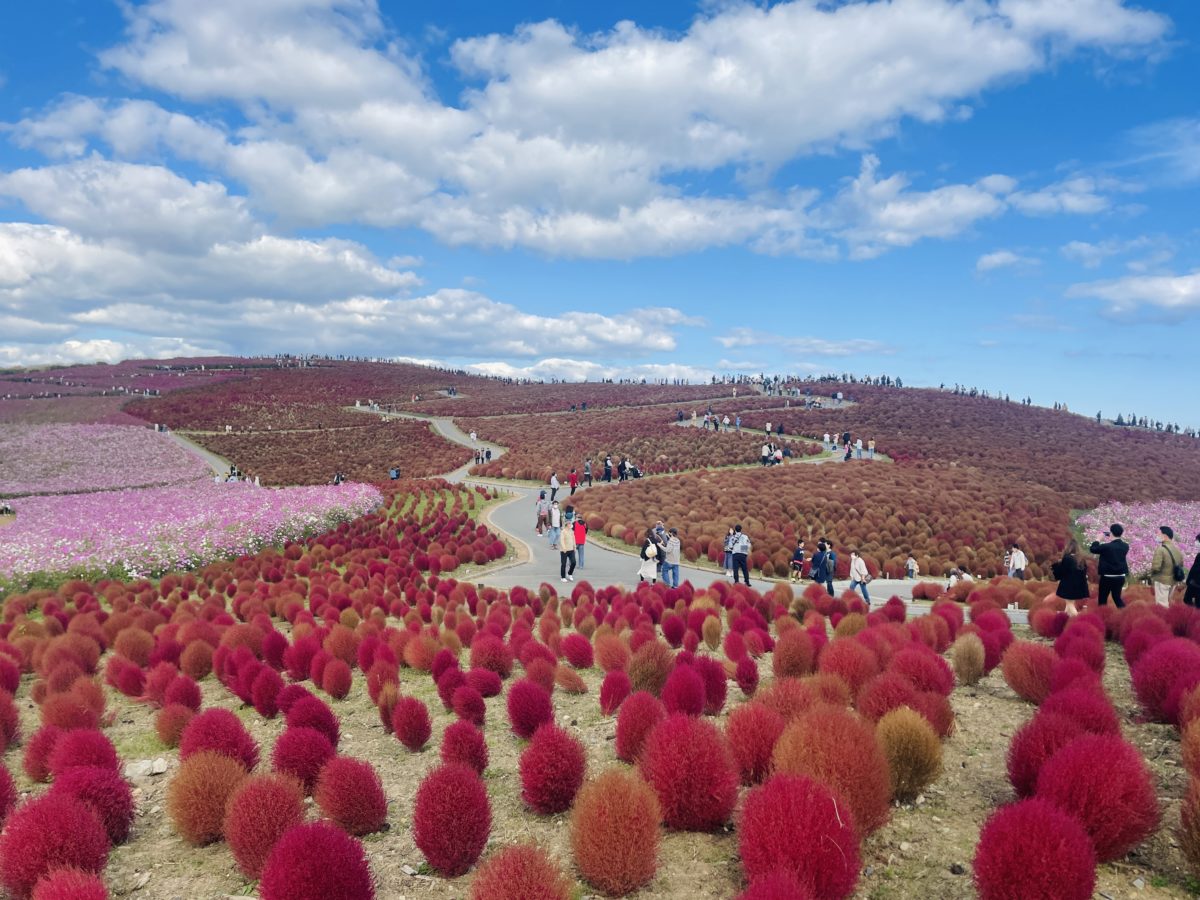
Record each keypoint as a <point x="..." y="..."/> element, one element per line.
<point x="1018" y="560"/>
<point x="858" y="444"/>
<point x="555" y="517"/>
<point x="554" y="481"/>
<point x="827" y="437"/>
<point x="858" y="569"/>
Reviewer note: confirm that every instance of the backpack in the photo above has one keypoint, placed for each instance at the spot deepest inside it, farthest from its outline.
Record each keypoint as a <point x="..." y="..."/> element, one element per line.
<point x="1178" y="573"/>
<point x="817" y="571"/>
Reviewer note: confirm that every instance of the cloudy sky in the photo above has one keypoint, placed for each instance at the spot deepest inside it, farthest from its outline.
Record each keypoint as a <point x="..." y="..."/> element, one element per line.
<point x="995" y="192"/>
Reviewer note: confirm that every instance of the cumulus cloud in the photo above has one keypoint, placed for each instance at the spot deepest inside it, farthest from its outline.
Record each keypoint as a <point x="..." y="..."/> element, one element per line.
<point x="801" y="346"/>
<point x="588" y="370"/>
<point x="1172" y="294"/>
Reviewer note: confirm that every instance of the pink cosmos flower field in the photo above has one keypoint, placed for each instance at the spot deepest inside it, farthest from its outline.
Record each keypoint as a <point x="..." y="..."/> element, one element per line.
<point x="150" y="531"/>
<point x="63" y="459"/>
<point x="1142" y="521"/>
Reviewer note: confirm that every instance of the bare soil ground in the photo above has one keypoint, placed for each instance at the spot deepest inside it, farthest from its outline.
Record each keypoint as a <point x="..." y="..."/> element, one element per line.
<point x="924" y="852"/>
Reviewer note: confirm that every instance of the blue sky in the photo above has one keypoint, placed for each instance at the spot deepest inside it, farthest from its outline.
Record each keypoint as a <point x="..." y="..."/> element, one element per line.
<point x="999" y="193"/>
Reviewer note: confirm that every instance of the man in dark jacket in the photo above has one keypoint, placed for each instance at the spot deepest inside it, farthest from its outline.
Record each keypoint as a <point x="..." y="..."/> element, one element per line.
<point x="1113" y="568"/>
<point x="1191" y="594"/>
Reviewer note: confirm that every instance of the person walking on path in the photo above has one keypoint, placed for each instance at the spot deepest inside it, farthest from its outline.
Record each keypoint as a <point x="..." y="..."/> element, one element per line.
<point x="554" y="486"/>
<point x="608" y="469"/>
<point x="573" y="481"/>
<point x="737" y="423"/>
<point x="741" y="554"/>
<point x="671" y="559"/>
<point x="819" y="570"/>
<point x="587" y="472"/>
<point x="581" y="531"/>
<point x="566" y="547"/>
<point x="648" y="571"/>
<point x="727" y="548"/>
<point x="858" y="449"/>
<point x="725" y="424"/>
<point x="871" y="448"/>
<point x="1113" y="566"/>
<point x="911" y="569"/>
<point x="542" y="506"/>
<point x="1017" y="563"/>
<point x="860" y="577"/>
<point x="1166" y="567"/>
<point x="798" y="560"/>
<point x="555" y="524"/>
<point x="1191" y="592"/>
<point x="828" y="442"/>
<point x="1072" y="578"/>
<point x="474" y="436"/>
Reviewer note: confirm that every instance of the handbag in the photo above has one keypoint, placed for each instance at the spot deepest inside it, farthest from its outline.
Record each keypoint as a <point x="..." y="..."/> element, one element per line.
<point x="1178" y="573"/>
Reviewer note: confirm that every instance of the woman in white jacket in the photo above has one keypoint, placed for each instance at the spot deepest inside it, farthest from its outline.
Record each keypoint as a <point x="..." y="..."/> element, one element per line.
<point x="859" y="576"/>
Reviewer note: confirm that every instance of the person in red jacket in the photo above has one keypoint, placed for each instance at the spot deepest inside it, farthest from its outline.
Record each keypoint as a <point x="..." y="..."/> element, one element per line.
<point x="573" y="481"/>
<point x="581" y="531"/>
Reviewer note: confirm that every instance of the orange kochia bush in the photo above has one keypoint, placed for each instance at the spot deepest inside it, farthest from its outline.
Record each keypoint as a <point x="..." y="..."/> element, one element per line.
<point x="944" y="516"/>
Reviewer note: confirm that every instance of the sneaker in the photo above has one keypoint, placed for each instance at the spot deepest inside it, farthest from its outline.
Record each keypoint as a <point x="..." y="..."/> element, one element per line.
<point x="564" y="581"/>
<point x="570" y="578"/>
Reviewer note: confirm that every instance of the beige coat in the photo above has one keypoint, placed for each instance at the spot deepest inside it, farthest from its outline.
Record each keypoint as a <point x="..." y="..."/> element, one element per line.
<point x="566" y="538"/>
<point x="1162" y="564"/>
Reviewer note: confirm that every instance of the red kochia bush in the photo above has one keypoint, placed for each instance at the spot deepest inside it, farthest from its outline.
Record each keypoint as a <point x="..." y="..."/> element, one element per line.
<point x="552" y="769"/>
<point x="50" y="832"/>
<point x="1034" y="849"/>
<point x="883" y="693"/>
<point x="925" y="669"/>
<point x="637" y="717"/>
<point x="613" y="691"/>
<point x="1086" y="705"/>
<point x="1104" y="782"/>
<point x="1034" y="743"/>
<point x="8" y="793"/>
<point x="463" y="743"/>
<point x="106" y="792"/>
<point x="777" y="885"/>
<point x="528" y="707"/>
<point x="70" y="884"/>
<point x="83" y="747"/>
<point x="614" y="832"/>
<point x="36" y="760"/>
<point x="520" y="872"/>
<point x="855" y="663"/>
<point x="746" y="675"/>
<point x="838" y="748"/>
<point x="170" y="723"/>
<point x="1163" y="673"/>
<point x="752" y="730"/>
<point x="452" y="818"/>
<point x="795" y="654"/>
<point x="410" y="722"/>
<point x="489" y="652"/>
<point x="468" y="704"/>
<point x="350" y="793"/>
<point x="1027" y="668"/>
<point x="485" y="681"/>
<point x="317" y="861"/>
<point x="684" y="691"/>
<point x="716" y="684"/>
<point x="221" y="731"/>
<point x="197" y="795"/>
<point x="311" y="712"/>
<point x="578" y="651"/>
<point x="688" y="763"/>
<point x="302" y="752"/>
<point x="790" y="811"/>
<point x="258" y="813"/>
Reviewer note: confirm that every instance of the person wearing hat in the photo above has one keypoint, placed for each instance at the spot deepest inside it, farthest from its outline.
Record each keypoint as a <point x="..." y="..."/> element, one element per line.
<point x="1165" y="566"/>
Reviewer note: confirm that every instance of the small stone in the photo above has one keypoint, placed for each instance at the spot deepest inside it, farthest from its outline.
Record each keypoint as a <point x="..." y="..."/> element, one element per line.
<point x="143" y="768"/>
<point x="920" y="801"/>
<point x="957" y="869"/>
<point x="906" y="847"/>
<point x="869" y="871"/>
<point x="1139" y="883"/>
<point x="408" y="870"/>
<point x="158" y="767"/>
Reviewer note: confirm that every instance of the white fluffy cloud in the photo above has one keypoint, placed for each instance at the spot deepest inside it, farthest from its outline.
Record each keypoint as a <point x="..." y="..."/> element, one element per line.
<point x="800" y="346"/>
<point x="1000" y="259"/>
<point x="1172" y="294"/>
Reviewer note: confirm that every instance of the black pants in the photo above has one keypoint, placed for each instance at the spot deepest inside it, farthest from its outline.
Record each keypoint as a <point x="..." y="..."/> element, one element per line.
<point x="1111" y="586"/>
<point x="1191" y="594"/>
<point x="564" y="559"/>
<point x="739" y="564"/>
<point x="553" y="491"/>
<point x="573" y="490"/>
<point x="608" y="475"/>
<point x="588" y="479"/>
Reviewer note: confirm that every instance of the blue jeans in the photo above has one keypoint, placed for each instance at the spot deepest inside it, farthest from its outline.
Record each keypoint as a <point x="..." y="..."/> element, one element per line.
<point x="579" y="554"/>
<point x="671" y="574"/>
<point x="553" y="535"/>
<point x="863" y="585"/>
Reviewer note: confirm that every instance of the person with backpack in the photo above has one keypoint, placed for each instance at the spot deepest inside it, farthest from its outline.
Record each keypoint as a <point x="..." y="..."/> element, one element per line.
<point x="1113" y="566"/>
<point x="542" y="507"/>
<point x="648" y="570"/>
<point x="1166" y="567"/>
<point x="741" y="554"/>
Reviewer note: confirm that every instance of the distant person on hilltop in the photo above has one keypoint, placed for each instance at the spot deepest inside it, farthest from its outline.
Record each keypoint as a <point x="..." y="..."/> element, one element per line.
<point x="1113" y="566"/>
<point x="1166" y="567"/>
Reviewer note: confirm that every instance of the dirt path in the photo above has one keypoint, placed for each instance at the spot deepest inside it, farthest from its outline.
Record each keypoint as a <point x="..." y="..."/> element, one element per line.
<point x="218" y="464"/>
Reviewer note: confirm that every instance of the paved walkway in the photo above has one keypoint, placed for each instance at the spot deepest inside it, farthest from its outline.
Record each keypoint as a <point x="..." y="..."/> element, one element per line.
<point x="603" y="566"/>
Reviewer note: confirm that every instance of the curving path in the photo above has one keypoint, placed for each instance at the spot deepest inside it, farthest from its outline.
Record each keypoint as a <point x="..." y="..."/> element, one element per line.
<point x="516" y="519"/>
